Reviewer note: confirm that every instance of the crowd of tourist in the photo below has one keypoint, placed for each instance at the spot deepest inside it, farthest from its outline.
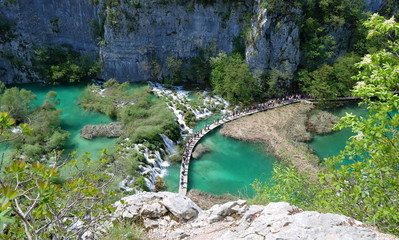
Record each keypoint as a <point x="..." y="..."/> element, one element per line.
<point x="196" y="136"/>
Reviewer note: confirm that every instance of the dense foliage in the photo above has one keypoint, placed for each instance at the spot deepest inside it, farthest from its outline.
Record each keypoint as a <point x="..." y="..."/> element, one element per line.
<point x="330" y="81"/>
<point x="367" y="186"/>
<point x="46" y="134"/>
<point x="232" y="79"/>
<point x="143" y="115"/>
<point x="36" y="203"/>
<point x="59" y="64"/>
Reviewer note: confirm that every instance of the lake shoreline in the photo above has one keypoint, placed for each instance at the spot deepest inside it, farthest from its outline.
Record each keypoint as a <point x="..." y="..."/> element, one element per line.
<point x="284" y="131"/>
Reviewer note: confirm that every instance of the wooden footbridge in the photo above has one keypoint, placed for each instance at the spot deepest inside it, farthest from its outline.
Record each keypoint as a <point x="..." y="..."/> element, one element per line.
<point x="194" y="140"/>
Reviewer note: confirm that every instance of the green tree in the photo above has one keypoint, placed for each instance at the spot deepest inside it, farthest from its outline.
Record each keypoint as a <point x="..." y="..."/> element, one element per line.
<point x="46" y="134"/>
<point x="231" y="78"/>
<point x="368" y="189"/>
<point x="18" y="103"/>
<point x="62" y="64"/>
<point x="363" y="180"/>
<point x="175" y="67"/>
<point x="37" y="204"/>
<point x="330" y="81"/>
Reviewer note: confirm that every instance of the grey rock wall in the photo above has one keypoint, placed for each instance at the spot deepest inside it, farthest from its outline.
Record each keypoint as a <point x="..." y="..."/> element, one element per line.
<point x="274" y="43"/>
<point x="162" y="31"/>
<point x="46" y="21"/>
<point x="54" y="21"/>
<point x="374" y="5"/>
<point x="136" y="46"/>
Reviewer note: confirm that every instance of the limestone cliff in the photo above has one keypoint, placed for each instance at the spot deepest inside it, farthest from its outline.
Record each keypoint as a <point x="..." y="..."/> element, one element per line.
<point x="134" y="38"/>
<point x="38" y="22"/>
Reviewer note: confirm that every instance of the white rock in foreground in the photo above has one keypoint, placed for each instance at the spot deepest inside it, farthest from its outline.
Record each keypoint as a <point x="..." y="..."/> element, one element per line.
<point x="172" y="216"/>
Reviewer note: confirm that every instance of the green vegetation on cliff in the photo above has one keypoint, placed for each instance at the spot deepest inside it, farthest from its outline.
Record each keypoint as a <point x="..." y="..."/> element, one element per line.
<point x="61" y="64"/>
<point x="363" y="180"/>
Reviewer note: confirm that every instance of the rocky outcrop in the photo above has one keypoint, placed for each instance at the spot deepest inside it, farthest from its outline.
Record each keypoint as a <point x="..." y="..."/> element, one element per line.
<point x="137" y="48"/>
<point x="273" y="43"/>
<point x="173" y="216"/>
<point x="199" y="150"/>
<point x="154" y="206"/>
<point x="109" y="130"/>
<point x="206" y="200"/>
<point x="139" y="36"/>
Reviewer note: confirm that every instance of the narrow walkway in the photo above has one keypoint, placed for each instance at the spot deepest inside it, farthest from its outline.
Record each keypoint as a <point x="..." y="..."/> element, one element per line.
<point x="183" y="184"/>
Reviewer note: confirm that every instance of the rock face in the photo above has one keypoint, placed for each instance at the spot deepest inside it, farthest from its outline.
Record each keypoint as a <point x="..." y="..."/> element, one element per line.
<point x="274" y="43"/>
<point x="159" y="31"/>
<point x="102" y="130"/>
<point x="135" y="39"/>
<point x="172" y="216"/>
<point x="44" y="21"/>
<point x="157" y="205"/>
<point x="139" y="36"/>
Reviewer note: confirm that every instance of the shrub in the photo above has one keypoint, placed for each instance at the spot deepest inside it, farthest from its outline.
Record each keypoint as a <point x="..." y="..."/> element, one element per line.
<point x="62" y="64"/>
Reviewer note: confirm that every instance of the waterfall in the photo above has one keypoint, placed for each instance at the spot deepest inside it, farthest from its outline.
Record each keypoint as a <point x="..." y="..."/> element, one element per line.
<point x="169" y="144"/>
<point x="156" y="165"/>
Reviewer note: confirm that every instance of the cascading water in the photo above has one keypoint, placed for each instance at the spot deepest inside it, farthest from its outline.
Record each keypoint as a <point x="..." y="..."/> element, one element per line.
<point x="169" y="144"/>
<point x="156" y="166"/>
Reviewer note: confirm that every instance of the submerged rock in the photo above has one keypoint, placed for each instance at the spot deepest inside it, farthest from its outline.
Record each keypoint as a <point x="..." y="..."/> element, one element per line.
<point x="321" y="122"/>
<point x="102" y="130"/>
<point x="168" y="215"/>
<point x="199" y="150"/>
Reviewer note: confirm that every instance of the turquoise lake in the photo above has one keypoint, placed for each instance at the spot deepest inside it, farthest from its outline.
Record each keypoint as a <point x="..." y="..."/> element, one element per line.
<point x="74" y="118"/>
<point x="331" y="144"/>
<point x="230" y="167"/>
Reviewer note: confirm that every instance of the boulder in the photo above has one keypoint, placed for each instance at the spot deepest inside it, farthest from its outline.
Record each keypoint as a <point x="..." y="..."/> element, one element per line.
<point x="181" y="207"/>
<point x="109" y="130"/>
<point x="156" y="205"/>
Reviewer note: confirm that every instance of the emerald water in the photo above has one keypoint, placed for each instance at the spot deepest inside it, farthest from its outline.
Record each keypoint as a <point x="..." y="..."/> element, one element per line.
<point x="331" y="144"/>
<point x="233" y="165"/>
<point x="73" y="118"/>
<point x="230" y="167"/>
